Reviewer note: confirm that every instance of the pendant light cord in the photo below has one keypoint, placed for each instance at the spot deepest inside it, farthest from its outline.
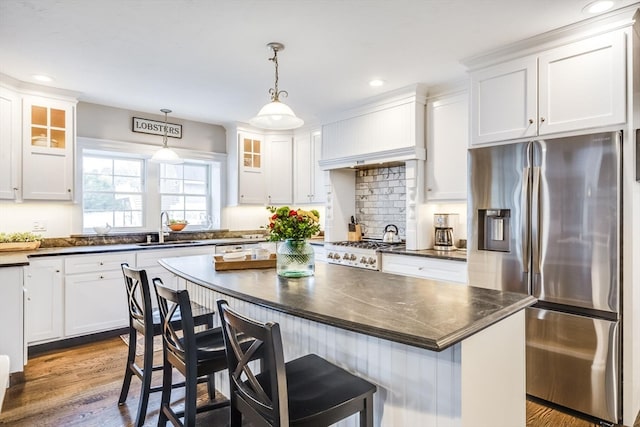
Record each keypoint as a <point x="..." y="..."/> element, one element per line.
<point x="166" y="128"/>
<point x="275" y="93"/>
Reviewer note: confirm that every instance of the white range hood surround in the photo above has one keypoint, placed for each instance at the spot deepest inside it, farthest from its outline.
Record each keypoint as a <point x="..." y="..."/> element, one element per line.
<point x="387" y="129"/>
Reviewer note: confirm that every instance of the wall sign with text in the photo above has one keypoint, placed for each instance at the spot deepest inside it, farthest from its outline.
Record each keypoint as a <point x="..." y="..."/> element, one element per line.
<point x="156" y="128"/>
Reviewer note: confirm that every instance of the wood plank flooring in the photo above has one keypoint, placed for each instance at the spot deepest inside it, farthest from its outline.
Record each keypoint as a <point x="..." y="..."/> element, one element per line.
<point x="80" y="386"/>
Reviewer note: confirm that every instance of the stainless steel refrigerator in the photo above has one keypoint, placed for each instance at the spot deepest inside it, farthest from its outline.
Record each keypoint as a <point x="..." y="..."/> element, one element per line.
<point x="544" y="218"/>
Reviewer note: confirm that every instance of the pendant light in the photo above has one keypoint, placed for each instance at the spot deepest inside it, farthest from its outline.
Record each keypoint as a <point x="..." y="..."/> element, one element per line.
<point x="166" y="154"/>
<point x="276" y="115"/>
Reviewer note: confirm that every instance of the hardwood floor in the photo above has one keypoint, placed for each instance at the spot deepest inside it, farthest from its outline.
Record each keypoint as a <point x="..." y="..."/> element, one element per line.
<point x="80" y="386"/>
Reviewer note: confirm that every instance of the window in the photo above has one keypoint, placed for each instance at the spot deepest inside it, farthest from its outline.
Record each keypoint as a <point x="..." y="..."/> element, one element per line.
<point x="112" y="191"/>
<point x="185" y="193"/>
<point x="119" y="186"/>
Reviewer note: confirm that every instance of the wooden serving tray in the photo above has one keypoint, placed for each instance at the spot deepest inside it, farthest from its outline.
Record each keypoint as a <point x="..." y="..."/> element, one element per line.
<point x="220" y="264"/>
<point x="19" y="246"/>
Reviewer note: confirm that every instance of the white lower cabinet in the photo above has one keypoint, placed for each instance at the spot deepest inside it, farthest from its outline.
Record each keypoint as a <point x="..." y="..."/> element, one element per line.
<point x="44" y="293"/>
<point x="11" y="317"/>
<point x="425" y="267"/>
<point x="95" y="297"/>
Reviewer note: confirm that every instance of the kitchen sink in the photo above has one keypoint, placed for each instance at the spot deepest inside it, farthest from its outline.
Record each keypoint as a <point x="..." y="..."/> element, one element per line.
<point x="169" y="243"/>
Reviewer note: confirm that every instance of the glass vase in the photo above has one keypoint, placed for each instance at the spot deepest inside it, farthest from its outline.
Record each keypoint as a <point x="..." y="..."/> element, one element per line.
<point x="295" y="258"/>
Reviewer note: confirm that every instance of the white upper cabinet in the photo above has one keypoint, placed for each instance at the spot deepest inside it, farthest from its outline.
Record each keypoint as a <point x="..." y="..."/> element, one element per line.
<point x="309" y="182"/>
<point x="391" y="129"/>
<point x="260" y="168"/>
<point x="10" y="144"/>
<point x="48" y="145"/>
<point x="504" y="101"/>
<point x="577" y="86"/>
<point x="582" y="85"/>
<point x="447" y="143"/>
<point x="279" y="176"/>
<point x="251" y="172"/>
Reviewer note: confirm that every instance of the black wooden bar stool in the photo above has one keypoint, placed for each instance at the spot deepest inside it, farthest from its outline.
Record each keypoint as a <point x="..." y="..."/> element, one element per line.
<point x="193" y="354"/>
<point x="308" y="391"/>
<point x="143" y="318"/>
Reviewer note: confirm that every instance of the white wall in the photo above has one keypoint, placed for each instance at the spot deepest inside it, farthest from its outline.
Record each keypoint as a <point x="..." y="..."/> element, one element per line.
<point x="102" y="122"/>
<point x="253" y="217"/>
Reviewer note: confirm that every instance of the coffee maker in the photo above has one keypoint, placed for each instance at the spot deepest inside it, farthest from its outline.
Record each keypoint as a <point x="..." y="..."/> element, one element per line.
<point x="443" y="223"/>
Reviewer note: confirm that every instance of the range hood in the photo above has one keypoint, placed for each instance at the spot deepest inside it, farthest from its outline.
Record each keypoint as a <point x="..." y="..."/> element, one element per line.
<point x="386" y="130"/>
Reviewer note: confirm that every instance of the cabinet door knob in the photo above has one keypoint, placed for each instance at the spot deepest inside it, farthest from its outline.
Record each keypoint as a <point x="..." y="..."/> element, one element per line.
<point x="15" y="188"/>
<point x="101" y="263"/>
<point x="541" y="119"/>
<point x="68" y="190"/>
<point x="530" y="121"/>
<point x="101" y="276"/>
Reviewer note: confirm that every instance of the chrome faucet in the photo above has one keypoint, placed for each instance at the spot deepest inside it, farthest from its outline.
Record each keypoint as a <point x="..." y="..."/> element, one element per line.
<point x="162" y="233"/>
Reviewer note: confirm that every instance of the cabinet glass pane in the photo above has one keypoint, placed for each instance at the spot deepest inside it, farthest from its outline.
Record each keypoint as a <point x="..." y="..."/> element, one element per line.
<point x="39" y="115"/>
<point x="39" y="137"/>
<point x="256" y="146"/>
<point x="57" y="118"/>
<point x="247" y="145"/>
<point x="58" y="138"/>
<point x="247" y="160"/>
<point x="256" y="160"/>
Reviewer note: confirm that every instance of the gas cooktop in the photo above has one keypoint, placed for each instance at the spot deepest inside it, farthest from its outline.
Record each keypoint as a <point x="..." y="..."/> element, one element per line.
<point x="366" y="244"/>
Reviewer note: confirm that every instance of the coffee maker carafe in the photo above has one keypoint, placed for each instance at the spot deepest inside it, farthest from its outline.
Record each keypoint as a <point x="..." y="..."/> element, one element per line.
<point x="443" y="223"/>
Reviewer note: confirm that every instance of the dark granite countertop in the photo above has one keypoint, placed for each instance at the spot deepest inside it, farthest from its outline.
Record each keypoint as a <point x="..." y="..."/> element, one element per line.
<point x="12" y="259"/>
<point x="418" y="312"/>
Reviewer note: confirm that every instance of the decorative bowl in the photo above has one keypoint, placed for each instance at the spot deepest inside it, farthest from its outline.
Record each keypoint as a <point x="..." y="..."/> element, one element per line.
<point x="177" y="226"/>
<point x="101" y="231"/>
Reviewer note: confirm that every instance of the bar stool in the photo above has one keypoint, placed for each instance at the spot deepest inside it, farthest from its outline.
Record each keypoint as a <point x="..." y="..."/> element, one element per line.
<point x="143" y="318"/>
<point x="308" y="391"/>
<point x="193" y="354"/>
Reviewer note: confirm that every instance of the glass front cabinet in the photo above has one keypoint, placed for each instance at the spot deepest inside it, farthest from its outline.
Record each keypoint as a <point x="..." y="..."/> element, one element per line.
<point x="48" y="144"/>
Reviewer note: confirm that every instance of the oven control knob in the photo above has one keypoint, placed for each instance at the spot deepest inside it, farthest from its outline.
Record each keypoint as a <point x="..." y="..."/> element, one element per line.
<point x="353" y="257"/>
<point x="372" y="261"/>
<point x="363" y="260"/>
<point x="345" y="256"/>
<point x="330" y="255"/>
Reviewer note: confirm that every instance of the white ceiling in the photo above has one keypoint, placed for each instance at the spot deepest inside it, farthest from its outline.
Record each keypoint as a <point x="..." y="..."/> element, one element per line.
<point x="207" y="61"/>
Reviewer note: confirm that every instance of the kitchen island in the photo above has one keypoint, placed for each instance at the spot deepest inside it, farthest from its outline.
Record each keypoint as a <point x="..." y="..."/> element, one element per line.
<point x="441" y="354"/>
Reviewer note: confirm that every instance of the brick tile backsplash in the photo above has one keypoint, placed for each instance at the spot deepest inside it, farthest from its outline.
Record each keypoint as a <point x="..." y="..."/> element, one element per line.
<point x="381" y="199"/>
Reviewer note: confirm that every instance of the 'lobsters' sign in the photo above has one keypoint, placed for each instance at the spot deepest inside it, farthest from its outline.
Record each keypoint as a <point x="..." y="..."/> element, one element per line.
<point x="156" y="128"/>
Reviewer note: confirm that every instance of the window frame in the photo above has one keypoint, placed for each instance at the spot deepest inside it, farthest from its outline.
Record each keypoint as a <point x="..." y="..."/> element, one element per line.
<point x="151" y="182"/>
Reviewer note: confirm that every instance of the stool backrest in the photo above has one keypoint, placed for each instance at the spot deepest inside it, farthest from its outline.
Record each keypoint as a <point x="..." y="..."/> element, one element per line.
<point x="262" y="397"/>
<point x="138" y="298"/>
<point x="178" y="330"/>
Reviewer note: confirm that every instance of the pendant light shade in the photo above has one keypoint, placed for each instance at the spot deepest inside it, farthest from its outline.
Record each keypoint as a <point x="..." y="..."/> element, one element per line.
<point x="166" y="154"/>
<point x="276" y="115"/>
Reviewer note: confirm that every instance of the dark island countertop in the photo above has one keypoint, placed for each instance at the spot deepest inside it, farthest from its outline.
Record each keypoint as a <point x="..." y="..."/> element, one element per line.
<point x="418" y="312"/>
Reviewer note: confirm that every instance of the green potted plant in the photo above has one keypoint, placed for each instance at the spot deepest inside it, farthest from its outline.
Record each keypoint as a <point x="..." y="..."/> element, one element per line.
<point x="294" y="256"/>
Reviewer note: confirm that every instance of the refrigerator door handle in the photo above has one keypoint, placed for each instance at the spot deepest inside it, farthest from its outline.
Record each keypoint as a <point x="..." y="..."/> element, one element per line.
<point x="536" y="225"/>
<point x="525" y="219"/>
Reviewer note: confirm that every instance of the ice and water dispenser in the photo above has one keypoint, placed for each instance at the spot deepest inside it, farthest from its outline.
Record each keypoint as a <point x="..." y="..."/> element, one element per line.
<point x="494" y="229"/>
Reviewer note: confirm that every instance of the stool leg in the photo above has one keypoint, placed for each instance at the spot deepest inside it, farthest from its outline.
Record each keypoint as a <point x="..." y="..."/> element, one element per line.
<point x="128" y="371"/>
<point x="211" y="386"/>
<point x="165" y="400"/>
<point x="190" y="395"/>
<point x="235" y="416"/>
<point x="147" y="372"/>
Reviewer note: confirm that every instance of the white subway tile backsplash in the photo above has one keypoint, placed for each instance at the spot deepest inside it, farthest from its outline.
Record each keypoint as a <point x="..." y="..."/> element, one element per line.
<point x="381" y="199"/>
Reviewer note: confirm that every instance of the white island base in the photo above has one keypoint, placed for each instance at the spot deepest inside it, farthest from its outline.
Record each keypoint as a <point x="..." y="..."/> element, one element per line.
<point x="479" y="382"/>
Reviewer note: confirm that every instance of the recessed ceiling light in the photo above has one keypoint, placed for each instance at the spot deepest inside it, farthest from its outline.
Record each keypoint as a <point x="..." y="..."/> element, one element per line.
<point x="376" y="83"/>
<point x="42" y="78"/>
<point x="598" y="6"/>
